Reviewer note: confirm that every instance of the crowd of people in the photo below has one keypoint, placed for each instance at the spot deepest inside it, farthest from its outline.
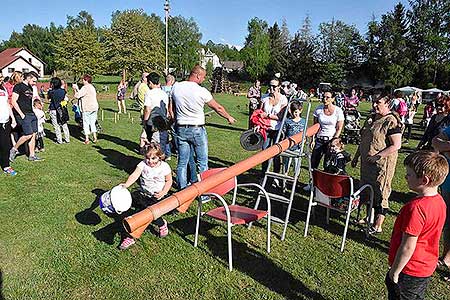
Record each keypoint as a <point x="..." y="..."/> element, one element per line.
<point x="175" y="112"/>
<point x="23" y="115"/>
<point x="413" y="254"/>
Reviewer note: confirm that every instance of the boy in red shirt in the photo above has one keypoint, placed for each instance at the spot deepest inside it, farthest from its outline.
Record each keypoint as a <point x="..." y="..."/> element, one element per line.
<point x="414" y="248"/>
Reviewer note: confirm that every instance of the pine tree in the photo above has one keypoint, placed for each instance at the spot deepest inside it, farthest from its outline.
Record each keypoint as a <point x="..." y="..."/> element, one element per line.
<point x="278" y="51"/>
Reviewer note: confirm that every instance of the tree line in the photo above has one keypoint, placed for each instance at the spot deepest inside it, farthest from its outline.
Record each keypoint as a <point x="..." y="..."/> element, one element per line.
<point x="406" y="46"/>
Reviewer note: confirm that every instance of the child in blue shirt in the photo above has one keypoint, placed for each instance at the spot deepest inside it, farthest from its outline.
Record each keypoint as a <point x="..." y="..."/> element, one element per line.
<point x="293" y="125"/>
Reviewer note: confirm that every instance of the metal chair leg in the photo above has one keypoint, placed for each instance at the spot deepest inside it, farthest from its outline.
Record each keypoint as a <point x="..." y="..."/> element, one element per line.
<point x="347" y="220"/>
<point x="308" y="215"/>
<point x="230" y="249"/>
<point x="197" y="225"/>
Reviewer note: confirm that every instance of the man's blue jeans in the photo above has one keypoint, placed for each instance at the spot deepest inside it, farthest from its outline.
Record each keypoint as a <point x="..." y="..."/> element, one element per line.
<point x="191" y="139"/>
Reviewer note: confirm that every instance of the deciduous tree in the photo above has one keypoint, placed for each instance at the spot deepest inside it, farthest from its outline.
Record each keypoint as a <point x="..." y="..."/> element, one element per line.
<point x="257" y="48"/>
<point x="134" y="43"/>
<point x="78" y="49"/>
<point x="184" y="44"/>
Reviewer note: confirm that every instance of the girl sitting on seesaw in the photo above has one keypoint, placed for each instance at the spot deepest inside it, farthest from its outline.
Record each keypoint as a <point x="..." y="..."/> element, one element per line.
<point x="155" y="182"/>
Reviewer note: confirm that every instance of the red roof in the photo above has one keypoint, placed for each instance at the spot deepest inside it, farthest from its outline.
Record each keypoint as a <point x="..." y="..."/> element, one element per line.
<point x="6" y="60"/>
<point x="10" y="52"/>
<point x="8" y="56"/>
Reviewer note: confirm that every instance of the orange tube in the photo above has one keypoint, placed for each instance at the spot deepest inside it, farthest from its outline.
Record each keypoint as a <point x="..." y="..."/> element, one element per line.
<point x="136" y="224"/>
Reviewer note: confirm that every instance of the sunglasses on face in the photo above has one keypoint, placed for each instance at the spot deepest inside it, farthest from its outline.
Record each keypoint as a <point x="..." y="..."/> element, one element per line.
<point x="273" y="86"/>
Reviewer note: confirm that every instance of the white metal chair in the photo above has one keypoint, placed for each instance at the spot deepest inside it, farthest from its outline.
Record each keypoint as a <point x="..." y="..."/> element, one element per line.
<point x="327" y="188"/>
<point x="231" y="214"/>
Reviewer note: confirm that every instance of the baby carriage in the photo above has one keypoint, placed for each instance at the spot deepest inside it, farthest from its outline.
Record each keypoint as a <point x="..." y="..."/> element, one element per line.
<point x="350" y="133"/>
<point x="78" y="114"/>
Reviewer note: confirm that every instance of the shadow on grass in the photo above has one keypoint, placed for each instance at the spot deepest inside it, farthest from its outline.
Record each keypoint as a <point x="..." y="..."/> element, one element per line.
<point x="1" y="285"/>
<point x="132" y="146"/>
<point x="50" y="134"/>
<point x="75" y="132"/>
<point x="88" y="216"/>
<point x="226" y="127"/>
<point x="354" y="232"/>
<point x="119" y="160"/>
<point x="260" y="267"/>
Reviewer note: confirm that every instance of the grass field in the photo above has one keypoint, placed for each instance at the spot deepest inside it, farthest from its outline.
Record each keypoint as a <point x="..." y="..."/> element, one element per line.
<point x="57" y="244"/>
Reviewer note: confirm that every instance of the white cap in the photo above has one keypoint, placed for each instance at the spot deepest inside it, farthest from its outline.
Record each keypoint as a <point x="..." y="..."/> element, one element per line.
<point x="120" y="199"/>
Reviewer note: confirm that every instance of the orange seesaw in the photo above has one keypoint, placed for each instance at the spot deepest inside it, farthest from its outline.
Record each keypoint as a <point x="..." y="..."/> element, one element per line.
<point x="136" y="224"/>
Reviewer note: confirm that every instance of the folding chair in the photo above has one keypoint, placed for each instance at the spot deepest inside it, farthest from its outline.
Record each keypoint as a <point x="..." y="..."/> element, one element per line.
<point x="327" y="188"/>
<point x="231" y="214"/>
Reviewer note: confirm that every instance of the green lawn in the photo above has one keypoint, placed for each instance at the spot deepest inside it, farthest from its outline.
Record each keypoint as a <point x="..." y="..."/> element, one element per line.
<point x="57" y="244"/>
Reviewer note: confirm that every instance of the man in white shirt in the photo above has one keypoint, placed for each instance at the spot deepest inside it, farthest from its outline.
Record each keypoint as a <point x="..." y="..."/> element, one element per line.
<point x="156" y="103"/>
<point x="189" y="98"/>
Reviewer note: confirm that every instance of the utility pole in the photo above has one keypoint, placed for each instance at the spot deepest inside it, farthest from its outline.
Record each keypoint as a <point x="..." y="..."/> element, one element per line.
<point x="167" y="9"/>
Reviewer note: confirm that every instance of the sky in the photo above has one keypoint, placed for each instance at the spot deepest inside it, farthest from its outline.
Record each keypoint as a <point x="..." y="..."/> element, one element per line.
<point x="222" y="21"/>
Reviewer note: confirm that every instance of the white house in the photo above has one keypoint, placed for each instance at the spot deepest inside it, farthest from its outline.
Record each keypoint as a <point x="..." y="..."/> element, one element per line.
<point x="20" y="59"/>
<point x="209" y="56"/>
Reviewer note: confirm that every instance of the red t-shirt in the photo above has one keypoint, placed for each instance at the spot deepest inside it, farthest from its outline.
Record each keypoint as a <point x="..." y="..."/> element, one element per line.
<point x="423" y="217"/>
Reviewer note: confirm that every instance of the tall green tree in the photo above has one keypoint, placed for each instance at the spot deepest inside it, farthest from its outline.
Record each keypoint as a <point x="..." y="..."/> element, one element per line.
<point x="184" y="44"/>
<point x="256" y="51"/>
<point x="302" y="65"/>
<point x="279" y="44"/>
<point x="397" y="66"/>
<point x="134" y="43"/>
<point x="372" y="52"/>
<point x="82" y="20"/>
<point x="429" y="35"/>
<point x="78" y="49"/>
<point x="340" y="49"/>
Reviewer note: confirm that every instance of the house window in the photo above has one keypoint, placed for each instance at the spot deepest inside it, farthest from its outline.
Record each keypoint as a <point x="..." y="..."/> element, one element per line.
<point x="29" y="60"/>
<point x="25" y="70"/>
<point x="11" y="70"/>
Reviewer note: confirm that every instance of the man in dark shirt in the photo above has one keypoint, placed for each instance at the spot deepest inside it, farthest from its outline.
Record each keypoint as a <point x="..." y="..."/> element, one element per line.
<point x="22" y="101"/>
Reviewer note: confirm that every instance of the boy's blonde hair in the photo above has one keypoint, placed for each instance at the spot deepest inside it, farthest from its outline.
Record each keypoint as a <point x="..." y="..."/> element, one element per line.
<point x="430" y="164"/>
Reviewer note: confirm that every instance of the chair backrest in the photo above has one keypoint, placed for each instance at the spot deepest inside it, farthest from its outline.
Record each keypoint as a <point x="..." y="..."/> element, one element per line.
<point x="333" y="186"/>
<point x="221" y="189"/>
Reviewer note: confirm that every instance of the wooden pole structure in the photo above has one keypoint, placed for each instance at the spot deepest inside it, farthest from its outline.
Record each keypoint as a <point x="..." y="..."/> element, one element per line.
<point x="136" y="224"/>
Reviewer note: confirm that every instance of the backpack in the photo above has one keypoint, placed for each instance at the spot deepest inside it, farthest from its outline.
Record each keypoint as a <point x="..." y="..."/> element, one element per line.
<point x="402" y="108"/>
<point x="158" y="119"/>
<point x="62" y="115"/>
